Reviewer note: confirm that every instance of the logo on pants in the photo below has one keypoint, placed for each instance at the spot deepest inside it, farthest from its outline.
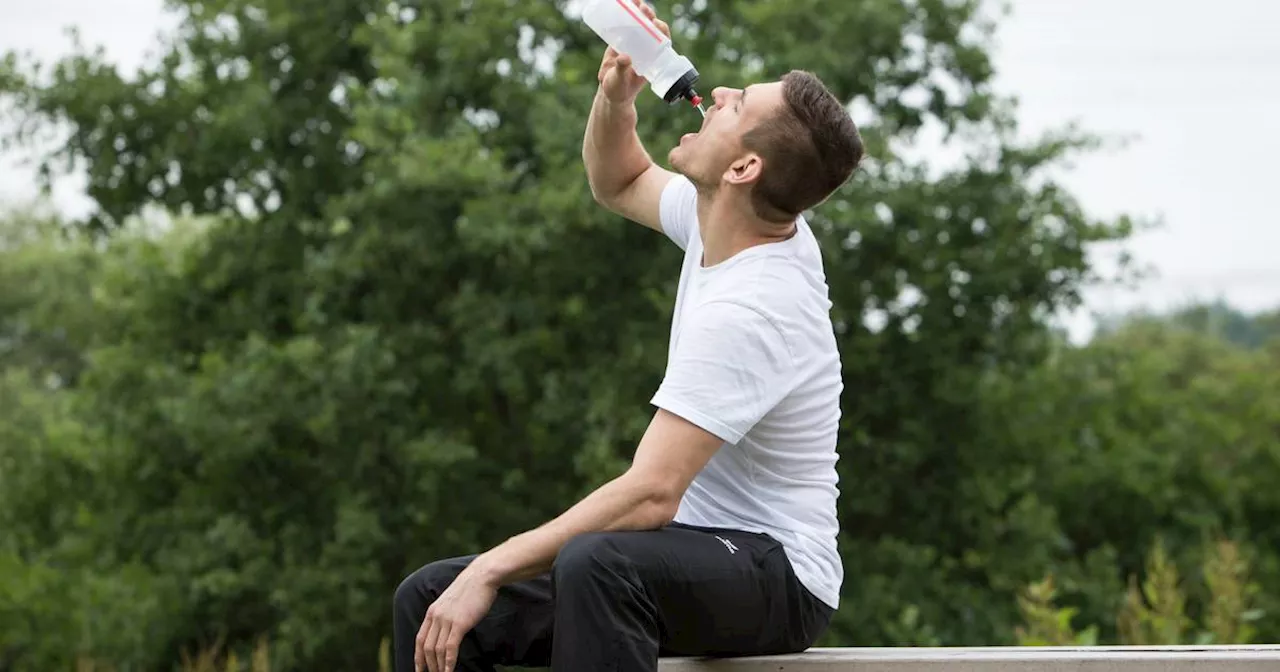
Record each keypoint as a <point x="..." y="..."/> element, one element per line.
<point x="727" y="544"/>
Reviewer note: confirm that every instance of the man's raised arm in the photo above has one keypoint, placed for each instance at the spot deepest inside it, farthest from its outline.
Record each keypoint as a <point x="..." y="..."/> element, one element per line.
<point x="622" y="176"/>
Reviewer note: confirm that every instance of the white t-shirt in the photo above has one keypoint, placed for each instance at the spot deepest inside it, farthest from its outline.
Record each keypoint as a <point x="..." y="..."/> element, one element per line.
<point x="753" y="360"/>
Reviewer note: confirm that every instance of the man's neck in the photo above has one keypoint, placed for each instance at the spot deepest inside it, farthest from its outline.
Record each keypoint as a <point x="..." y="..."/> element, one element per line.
<point x="729" y="226"/>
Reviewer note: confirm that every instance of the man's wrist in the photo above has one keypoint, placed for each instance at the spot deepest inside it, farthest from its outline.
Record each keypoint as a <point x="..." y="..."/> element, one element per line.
<point x="627" y="104"/>
<point x="487" y="568"/>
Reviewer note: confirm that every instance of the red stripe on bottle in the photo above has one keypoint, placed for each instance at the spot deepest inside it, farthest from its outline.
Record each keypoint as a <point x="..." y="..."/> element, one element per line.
<point x="630" y="9"/>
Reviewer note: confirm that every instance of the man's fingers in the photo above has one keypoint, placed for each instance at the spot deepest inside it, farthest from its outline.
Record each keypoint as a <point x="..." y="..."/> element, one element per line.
<point x="430" y="633"/>
<point x="419" y="647"/>
<point x="443" y="653"/>
<point x="625" y="72"/>
<point x="622" y="68"/>
<point x="451" y="648"/>
<point x="647" y="9"/>
<point x="606" y="62"/>
<point x="439" y="647"/>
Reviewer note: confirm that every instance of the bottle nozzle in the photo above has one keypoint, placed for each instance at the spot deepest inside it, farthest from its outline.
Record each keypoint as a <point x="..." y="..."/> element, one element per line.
<point x="696" y="101"/>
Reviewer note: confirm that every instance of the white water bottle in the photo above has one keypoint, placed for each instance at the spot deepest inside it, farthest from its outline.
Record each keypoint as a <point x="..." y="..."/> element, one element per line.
<point x="624" y="27"/>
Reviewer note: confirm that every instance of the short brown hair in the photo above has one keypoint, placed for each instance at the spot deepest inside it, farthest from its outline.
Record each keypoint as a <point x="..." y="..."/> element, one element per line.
<point x="810" y="147"/>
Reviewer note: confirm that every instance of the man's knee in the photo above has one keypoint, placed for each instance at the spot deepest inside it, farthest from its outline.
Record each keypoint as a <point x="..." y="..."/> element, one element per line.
<point x="590" y="555"/>
<point x="600" y="592"/>
<point x="418" y="590"/>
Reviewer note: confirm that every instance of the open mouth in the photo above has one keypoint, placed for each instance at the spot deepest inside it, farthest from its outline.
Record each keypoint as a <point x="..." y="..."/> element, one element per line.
<point x="689" y="136"/>
<point x="703" y="127"/>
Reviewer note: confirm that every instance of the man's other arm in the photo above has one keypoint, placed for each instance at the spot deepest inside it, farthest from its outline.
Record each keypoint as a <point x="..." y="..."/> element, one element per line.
<point x="671" y="453"/>
<point x="622" y="176"/>
<point x="646" y="497"/>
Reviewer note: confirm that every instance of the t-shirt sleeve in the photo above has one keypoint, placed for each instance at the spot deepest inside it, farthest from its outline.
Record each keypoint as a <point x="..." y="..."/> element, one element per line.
<point x="678" y="210"/>
<point x="730" y="367"/>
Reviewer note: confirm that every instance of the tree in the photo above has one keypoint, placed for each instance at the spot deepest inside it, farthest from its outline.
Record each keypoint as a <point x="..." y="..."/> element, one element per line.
<point x="411" y="333"/>
<point x="56" y="546"/>
<point x="1151" y="433"/>
<point x="1217" y="318"/>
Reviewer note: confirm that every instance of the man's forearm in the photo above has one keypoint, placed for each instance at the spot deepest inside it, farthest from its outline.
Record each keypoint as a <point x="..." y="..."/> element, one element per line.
<point x="624" y="503"/>
<point x="611" y="150"/>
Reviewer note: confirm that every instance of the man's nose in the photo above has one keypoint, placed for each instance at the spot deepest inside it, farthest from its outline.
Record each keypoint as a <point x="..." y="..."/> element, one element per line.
<point x="722" y="95"/>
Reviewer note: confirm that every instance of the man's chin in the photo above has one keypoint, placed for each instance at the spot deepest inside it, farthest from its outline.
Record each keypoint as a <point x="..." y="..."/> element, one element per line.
<point x="683" y="146"/>
<point x="675" y="157"/>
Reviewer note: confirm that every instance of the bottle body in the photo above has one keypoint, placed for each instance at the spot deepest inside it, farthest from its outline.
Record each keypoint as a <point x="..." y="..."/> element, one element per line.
<point x="622" y="25"/>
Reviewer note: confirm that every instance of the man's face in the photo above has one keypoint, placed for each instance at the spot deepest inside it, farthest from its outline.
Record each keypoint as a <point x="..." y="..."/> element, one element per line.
<point x="715" y="155"/>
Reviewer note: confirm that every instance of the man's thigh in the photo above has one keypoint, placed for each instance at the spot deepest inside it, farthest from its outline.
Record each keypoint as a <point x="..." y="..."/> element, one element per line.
<point x="715" y="592"/>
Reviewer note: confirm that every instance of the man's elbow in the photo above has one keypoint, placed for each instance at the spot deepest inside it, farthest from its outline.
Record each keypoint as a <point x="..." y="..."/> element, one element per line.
<point x="664" y="511"/>
<point x="659" y="503"/>
<point x="658" y="517"/>
<point x="600" y="196"/>
<point x="606" y="195"/>
<point x="600" y="191"/>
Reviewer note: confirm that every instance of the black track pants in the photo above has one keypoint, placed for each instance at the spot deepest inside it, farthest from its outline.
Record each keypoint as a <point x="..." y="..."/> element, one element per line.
<point x="616" y="601"/>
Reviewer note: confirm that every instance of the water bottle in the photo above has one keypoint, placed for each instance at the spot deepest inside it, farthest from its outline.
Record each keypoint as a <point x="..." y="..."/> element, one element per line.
<point x="625" y="28"/>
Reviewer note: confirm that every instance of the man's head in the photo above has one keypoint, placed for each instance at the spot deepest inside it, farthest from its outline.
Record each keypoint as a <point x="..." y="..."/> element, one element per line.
<point x="785" y="146"/>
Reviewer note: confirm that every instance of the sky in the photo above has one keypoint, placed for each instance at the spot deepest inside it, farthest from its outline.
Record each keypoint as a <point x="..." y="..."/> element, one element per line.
<point x="1199" y="92"/>
<point x="1196" y="93"/>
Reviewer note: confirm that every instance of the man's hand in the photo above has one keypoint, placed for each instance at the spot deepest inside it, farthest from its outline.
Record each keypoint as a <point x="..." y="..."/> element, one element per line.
<point x="458" y="609"/>
<point x="619" y="82"/>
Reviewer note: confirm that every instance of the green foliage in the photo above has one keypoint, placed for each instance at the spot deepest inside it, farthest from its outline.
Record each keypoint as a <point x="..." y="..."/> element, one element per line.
<point x="1214" y="319"/>
<point x="46" y="316"/>
<point x="1229" y="614"/>
<point x="1157" y="611"/>
<point x="387" y="324"/>
<point x="56" y="484"/>
<point x="1152" y="432"/>
<point x="1046" y="623"/>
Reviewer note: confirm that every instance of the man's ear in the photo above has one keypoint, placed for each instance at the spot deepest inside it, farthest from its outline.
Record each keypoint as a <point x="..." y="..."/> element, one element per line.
<point x="745" y="170"/>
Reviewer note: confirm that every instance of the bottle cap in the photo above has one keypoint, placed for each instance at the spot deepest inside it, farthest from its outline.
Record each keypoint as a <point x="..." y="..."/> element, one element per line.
<point x="683" y="88"/>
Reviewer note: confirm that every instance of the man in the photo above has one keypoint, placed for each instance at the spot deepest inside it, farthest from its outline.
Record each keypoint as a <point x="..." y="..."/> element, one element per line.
<point x="720" y="539"/>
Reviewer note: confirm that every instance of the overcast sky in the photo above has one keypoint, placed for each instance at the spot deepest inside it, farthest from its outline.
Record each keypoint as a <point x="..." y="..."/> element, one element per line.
<point x="1198" y="90"/>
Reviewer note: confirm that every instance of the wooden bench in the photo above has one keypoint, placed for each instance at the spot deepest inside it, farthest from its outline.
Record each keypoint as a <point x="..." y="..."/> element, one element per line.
<point x="1000" y="659"/>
